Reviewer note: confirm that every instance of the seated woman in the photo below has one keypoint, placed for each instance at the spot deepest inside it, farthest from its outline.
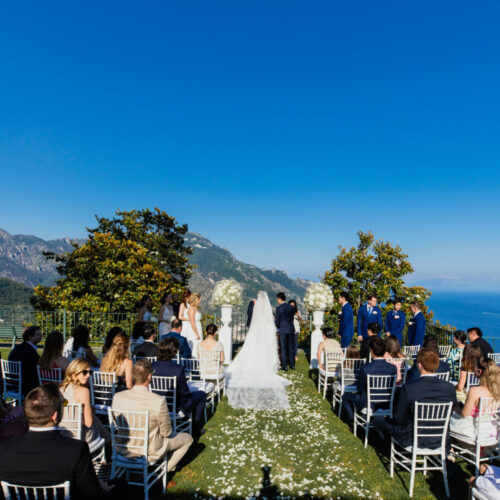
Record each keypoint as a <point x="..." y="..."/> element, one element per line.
<point x="393" y="354"/>
<point x="81" y="338"/>
<point x="210" y="362"/>
<point x="52" y="356"/>
<point x="110" y="337"/>
<point x="328" y="343"/>
<point x="74" y="389"/>
<point x="352" y="352"/>
<point x="489" y="379"/>
<point x="117" y="361"/>
<point x="469" y="362"/>
<point x="12" y="421"/>
<point x="456" y="353"/>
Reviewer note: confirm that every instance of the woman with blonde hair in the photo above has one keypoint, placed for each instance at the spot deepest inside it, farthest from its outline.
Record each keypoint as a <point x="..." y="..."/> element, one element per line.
<point x="52" y="353"/>
<point x="117" y="360"/>
<point x="191" y="329"/>
<point x="465" y="421"/>
<point x="74" y="389"/>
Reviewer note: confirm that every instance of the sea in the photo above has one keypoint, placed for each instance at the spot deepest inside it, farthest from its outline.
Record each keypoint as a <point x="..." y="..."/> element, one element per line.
<point x="466" y="309"/>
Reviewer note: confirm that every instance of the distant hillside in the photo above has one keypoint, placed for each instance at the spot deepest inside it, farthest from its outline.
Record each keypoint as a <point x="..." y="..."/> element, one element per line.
<point x="21" y="260"/>
<point x="14" y="295"/>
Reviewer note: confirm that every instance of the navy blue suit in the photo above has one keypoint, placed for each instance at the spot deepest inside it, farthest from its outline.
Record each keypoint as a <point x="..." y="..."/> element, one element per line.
<point x="394" y="324"/>
<point x="416" y="330"/>
<point x="378" y="366"/>
<point x="284" y="322"/>
<point x="427" y="389"/>
<point x="184" y="350"/>
<point x="27" y="354"/>
<point x="365" y="318"/>
<point x="188" y="402"/>
<point x="414" y="373"/>
<point x="346" y="324"/>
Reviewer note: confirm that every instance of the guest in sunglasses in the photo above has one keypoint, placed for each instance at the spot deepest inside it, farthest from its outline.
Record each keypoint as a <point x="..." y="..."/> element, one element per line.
<point x="75" y="389"/>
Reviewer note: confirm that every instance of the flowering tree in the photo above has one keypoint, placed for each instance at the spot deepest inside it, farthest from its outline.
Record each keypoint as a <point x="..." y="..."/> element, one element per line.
<point x="140" y="252"/>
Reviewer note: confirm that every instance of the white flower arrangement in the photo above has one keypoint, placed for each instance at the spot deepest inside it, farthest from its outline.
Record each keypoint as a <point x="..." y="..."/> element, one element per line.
<point x="227" y="293"/>
<point x="319" y="297"/>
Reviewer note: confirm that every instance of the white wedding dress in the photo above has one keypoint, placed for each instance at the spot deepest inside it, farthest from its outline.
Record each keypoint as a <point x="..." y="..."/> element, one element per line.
<point x="252" y="382"/>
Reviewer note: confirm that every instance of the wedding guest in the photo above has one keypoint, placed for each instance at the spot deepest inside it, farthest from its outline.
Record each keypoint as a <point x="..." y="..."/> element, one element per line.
<point x="284" y="323"/>
<point x="328" y="343"/>
<point x="148" y="349"/>
<point x="145" y="309"/>
<point x="297" y="319"/>
<point x="45" y="456"/>
<point x="395" y="321"/>
<point x="138" y="332"/>
<point x="166" y="314"/>
<point x="368" y="313"/>
<point x="456" y="353"/>
<point x="488" y="482"/>
<point x="184" y="306"/>
<point x="26" y="353"/>
<point x="108" y="341"/>
<point x="346" y="320"/>
<point x="393" y="354"/>
<point x="175" y="304"/>
<point x="377" y="367"/>
<point x="189" y="403"/>
<point x="416" y="328"/>
<point x="464" y="422"/>
<point x="250" y="312"/>
<point x="472" y="353"/>
<point x="81" y="338"/>
<point x="52" y="353"/>
<point x="210" y="344"/>
<point x="75" y="389"/>
<point x="161" y="441"/>
<point x="427" y="388"/>
<point x="175" y="333"/>
<point x="352" y="352"/>
<point x="373" y="331"/>
<point x="476" y="337"/>
<point x="117" y="361"/>
<point x="430" y="342"/>
<point x="12" y="421"/>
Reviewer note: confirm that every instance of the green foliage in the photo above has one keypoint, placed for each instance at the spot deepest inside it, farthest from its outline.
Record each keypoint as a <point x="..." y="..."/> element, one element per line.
<point x="373" y="266"/>
<point x="139" y="252"/>
<point x="14" y="295"/>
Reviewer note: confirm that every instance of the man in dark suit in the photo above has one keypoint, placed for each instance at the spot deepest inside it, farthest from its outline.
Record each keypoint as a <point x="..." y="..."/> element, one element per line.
<point x="395" y="321"/>
<point x="26" y="353"/>
<point x="44" y="456"/>
<point x="346" y="320"/>
<point x="476" y="337"/>
<point x="430" y="342"/>
<point x="426" y="389"/>
<point x="378" y="366"/>
<point x="368" y="313"/>
<point x="175" y="333"/>
<point x="416" y="327"/>
<point x="373" y="331"/>
<point x="251" y="304"/>
<point x="188" y="402"/>
<point x="284" y="322"/>
<point x="148" y="349"/>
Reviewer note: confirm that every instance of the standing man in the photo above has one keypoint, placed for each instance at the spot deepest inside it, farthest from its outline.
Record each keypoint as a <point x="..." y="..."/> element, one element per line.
<point x="250" y="312"/>
<point x="368" y="313"/>
<point x="416" y="328"/>
<point x="284" y="322"/>
<point x="395" y="321"/>
<point x="476" y="337"/>
<point x="346" y="320"/>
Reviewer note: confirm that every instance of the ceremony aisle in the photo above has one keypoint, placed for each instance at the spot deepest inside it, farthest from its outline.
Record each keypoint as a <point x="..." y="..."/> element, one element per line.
<point x="307" y="449"/>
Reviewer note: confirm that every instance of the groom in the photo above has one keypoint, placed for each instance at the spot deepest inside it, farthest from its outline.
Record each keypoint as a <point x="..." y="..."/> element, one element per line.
<point x="286" y="330"/>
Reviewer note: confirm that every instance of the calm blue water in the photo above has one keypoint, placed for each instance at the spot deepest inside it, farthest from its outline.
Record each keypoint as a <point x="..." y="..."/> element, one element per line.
<point x="467" y="309"/>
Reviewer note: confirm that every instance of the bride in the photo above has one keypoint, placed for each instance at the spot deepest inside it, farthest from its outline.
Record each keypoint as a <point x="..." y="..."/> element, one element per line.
<point x="252" y="381"/>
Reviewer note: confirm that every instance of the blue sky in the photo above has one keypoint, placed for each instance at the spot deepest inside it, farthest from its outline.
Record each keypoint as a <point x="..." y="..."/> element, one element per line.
<point x="276" y="129"/>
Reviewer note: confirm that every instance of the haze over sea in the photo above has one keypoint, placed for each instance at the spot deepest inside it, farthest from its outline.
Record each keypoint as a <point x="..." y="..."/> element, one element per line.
<point x="466" y="309"/>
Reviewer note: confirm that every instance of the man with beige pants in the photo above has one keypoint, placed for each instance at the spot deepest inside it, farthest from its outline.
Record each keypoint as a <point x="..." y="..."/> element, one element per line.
<point x="160" y="427"/>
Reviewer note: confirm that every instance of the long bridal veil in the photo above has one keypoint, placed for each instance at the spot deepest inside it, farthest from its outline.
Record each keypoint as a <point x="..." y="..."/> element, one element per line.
<point x="252" y="379"/>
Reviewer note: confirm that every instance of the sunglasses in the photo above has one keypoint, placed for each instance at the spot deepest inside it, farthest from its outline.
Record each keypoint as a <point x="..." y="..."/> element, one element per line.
<point x="85" y="372"/>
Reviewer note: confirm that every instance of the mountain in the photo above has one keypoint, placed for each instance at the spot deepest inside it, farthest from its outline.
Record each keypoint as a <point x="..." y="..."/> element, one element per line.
<point x="21" y="260"/>
<point x="14" y="295"/>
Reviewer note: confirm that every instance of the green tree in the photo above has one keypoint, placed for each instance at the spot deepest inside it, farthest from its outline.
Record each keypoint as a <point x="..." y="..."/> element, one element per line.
<point x="139" y="252"/>
<point x="373" y="267"/>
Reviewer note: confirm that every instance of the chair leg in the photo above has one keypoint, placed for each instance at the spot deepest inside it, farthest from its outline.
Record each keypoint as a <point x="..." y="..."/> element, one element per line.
<point x="445" y="475"/>
<point x="367" y="429"/>
<point x="164" y="478"/>
<point x="412" y="473"/>
<point x="324" y="387"/>
<point x="391" y="470"/>
<point x="146" y="482"/>
<point x="355" y="424"/>
<point x="425" y="465"/>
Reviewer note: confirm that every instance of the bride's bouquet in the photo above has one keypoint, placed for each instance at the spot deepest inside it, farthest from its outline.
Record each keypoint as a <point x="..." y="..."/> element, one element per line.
<point x="227" y="293"/>
<point x="319" y="297"/>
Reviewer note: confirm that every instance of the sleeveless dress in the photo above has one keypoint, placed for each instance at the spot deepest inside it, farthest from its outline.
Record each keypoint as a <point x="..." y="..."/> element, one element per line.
<point x="147" y="316"/>
<point x="168" y="314"/>
<point x="188" y="332"/>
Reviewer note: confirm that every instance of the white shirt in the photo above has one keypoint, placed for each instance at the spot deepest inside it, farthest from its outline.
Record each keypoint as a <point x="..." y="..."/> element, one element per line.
<point x="43" y="429"/>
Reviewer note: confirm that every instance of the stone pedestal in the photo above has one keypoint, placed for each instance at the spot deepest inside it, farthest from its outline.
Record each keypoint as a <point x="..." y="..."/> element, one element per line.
<point x="316" y="337"/>
<point x="226" y="333"/>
